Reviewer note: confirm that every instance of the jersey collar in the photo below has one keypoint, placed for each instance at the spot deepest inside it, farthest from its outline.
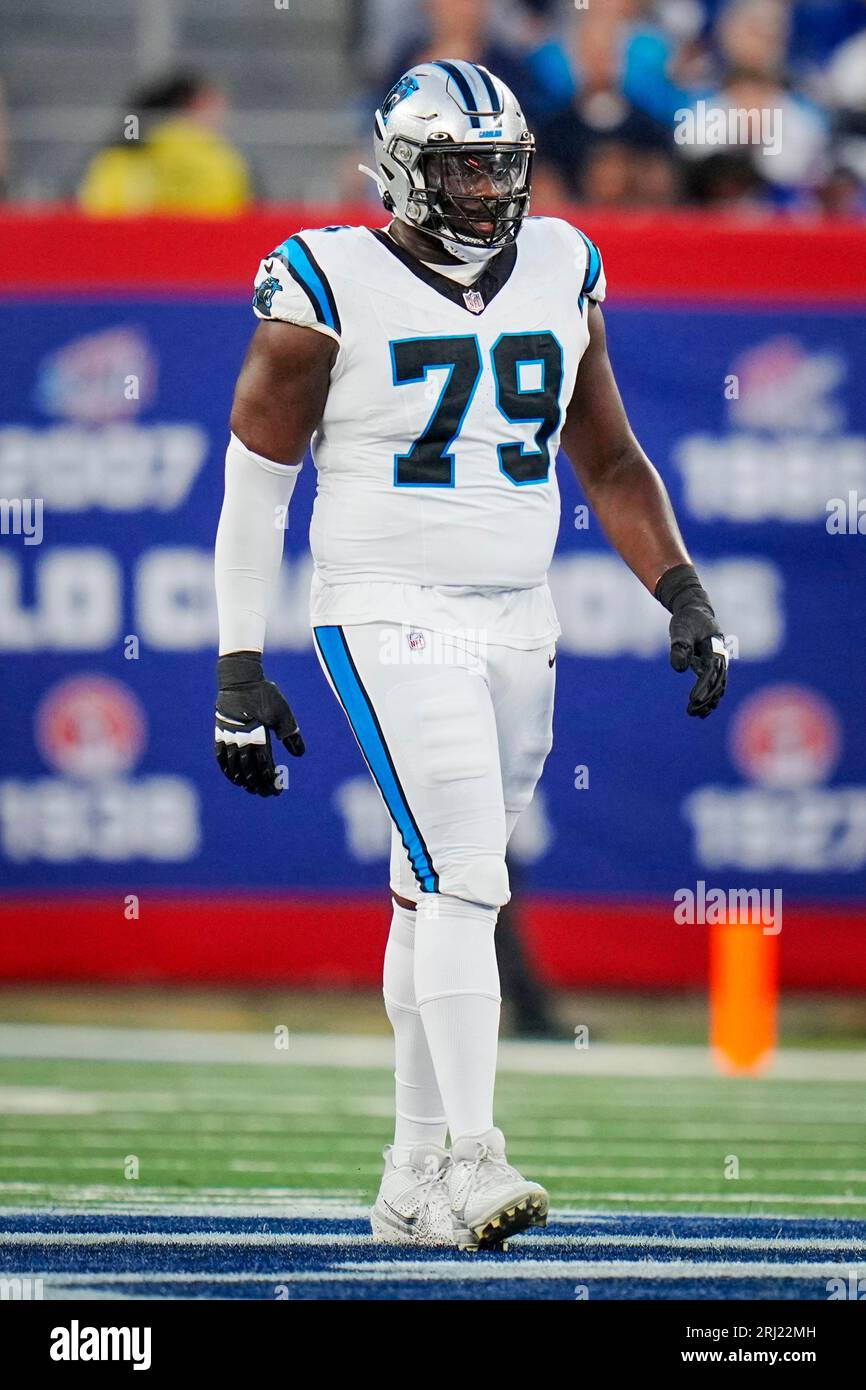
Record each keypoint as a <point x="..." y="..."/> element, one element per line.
<point x="473" y="298"/>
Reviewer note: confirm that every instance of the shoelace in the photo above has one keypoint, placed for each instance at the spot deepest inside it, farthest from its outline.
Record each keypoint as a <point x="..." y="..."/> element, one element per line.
<point x="426" y="1188"/>
<point x="482" y="1155"/>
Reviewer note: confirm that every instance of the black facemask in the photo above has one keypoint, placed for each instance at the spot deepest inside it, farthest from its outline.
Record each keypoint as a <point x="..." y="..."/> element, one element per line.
<point x="477" y="196"/>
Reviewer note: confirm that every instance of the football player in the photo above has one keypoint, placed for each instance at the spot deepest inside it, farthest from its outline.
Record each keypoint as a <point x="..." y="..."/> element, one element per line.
<point x="437" y="364"/>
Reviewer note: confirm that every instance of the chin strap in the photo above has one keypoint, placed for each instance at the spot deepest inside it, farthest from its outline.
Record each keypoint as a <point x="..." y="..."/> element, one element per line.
<point x="469" y="255"/>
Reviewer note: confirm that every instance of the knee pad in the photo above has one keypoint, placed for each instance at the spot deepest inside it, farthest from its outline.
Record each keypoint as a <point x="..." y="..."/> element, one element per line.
<point x="482" y="880"/>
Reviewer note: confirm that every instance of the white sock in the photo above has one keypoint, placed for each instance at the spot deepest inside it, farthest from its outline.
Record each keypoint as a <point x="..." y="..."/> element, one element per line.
<point x="420" y="1114"/>
<point x="457" y="988"/>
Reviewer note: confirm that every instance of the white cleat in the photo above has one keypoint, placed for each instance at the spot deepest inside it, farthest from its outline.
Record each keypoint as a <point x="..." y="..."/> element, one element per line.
<point x="490" y="1200"/>
<point x="413" y="1206"/>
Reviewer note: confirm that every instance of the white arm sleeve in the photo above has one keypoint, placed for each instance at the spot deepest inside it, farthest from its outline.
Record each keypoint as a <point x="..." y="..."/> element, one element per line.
<point x="249" y="544"/>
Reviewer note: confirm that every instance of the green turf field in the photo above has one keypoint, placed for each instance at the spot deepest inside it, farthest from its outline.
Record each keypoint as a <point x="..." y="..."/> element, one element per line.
<point x="238" y="1132"/>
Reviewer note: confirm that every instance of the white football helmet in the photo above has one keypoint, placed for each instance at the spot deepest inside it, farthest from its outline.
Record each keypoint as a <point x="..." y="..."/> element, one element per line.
<point x="454" y="156"/>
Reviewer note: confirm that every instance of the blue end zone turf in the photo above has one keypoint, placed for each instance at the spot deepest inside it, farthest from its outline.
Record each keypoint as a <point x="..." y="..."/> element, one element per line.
<point x="612" y="1257"/>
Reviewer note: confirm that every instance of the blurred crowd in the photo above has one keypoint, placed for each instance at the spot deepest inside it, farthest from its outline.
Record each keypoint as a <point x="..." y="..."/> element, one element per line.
<point x="616" y="91"/>
<point x="179" y="160"/>
<point x="606" y="85"/>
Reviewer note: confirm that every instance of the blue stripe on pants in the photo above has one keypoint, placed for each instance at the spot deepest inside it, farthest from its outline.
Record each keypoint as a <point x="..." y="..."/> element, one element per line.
<point x="365" y="726"/>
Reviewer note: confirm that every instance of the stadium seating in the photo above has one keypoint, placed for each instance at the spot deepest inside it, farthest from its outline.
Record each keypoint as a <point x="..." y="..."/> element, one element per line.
<point x="291" y="118"/>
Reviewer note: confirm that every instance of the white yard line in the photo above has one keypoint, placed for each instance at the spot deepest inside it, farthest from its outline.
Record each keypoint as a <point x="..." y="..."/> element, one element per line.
<point x="601" y="1269"/>
<point x="72" y="1200"/>
<point x="227" y="1239"/>
<point x="614" y="1148"/>
<point x="47" y="1100"/>
<point x="188" y="1102"/>
<point x="845" y="1247"/>
<point x="467" y="1269"/>
<point x="154" y="1161"/>
<point x="700" y="1172"/>
<point x="281" y="1203"/>
<point x="739" y="1198"/>
<point x="345" y="1050"/>
<point x="241" y="1165"/>
<point x="69" y="1200"/>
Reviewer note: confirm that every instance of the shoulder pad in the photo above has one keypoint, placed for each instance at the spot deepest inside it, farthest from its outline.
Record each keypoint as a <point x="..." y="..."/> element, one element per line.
<point x="291" y="285"/>
<point x="594" y="283"/>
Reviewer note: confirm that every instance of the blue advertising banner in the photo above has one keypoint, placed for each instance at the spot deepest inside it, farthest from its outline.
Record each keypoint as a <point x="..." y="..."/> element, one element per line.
<point x="112" y="436"/>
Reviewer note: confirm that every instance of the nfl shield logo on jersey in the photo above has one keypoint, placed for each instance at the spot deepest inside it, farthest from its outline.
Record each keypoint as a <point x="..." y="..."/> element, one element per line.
<point x="473" y="301"/>
<point x="416" y="641"/>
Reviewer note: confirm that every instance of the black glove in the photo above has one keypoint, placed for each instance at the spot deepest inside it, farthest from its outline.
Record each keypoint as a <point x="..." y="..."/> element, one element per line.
<point x="696" y="638"/>
<point x="247" y="708"/>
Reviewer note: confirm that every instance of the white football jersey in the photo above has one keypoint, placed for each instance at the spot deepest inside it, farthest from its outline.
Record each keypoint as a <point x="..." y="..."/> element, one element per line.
<point x="436" y="452"/>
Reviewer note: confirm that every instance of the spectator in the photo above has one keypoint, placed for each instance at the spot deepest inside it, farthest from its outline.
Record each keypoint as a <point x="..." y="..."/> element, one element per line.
<point x="462" y="29"/>
<point x="665" y="68"/>
<point x="753" y="36"/>
<point x="657" y="180"/>
<point x="609" y="175"/>
<point x="600" y="115"/>
<point x="846" y="91"/>
<point x="775" y="132"/>
<point x="181" y="164"/>
<point x="842" y="193"/>
<point x="800" y="161"/>
<point x="752" y="39"/>
<point x="386" y="28"/>
<point x="551" y="82"/>
<point x="846" y="74"/>
<point x="726" y="180"/>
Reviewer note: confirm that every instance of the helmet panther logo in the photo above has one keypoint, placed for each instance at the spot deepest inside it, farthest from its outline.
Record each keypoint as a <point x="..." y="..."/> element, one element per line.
<point x="400" y="90"/>
<point x="264" y="295"/>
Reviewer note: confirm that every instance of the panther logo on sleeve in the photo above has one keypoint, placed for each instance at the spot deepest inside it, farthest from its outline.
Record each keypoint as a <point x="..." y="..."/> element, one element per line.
<point x="264" y="295"/>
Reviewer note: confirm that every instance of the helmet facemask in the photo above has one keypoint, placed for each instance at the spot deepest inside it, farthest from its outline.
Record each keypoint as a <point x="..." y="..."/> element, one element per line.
<point x="474" y="198"/>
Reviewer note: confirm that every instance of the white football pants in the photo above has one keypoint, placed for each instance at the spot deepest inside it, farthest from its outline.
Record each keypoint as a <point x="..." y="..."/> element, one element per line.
<point x="455" y="735"/>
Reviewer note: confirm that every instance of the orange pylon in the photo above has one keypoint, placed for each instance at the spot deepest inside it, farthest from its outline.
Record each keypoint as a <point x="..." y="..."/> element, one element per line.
<point x="744" y="992"/>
